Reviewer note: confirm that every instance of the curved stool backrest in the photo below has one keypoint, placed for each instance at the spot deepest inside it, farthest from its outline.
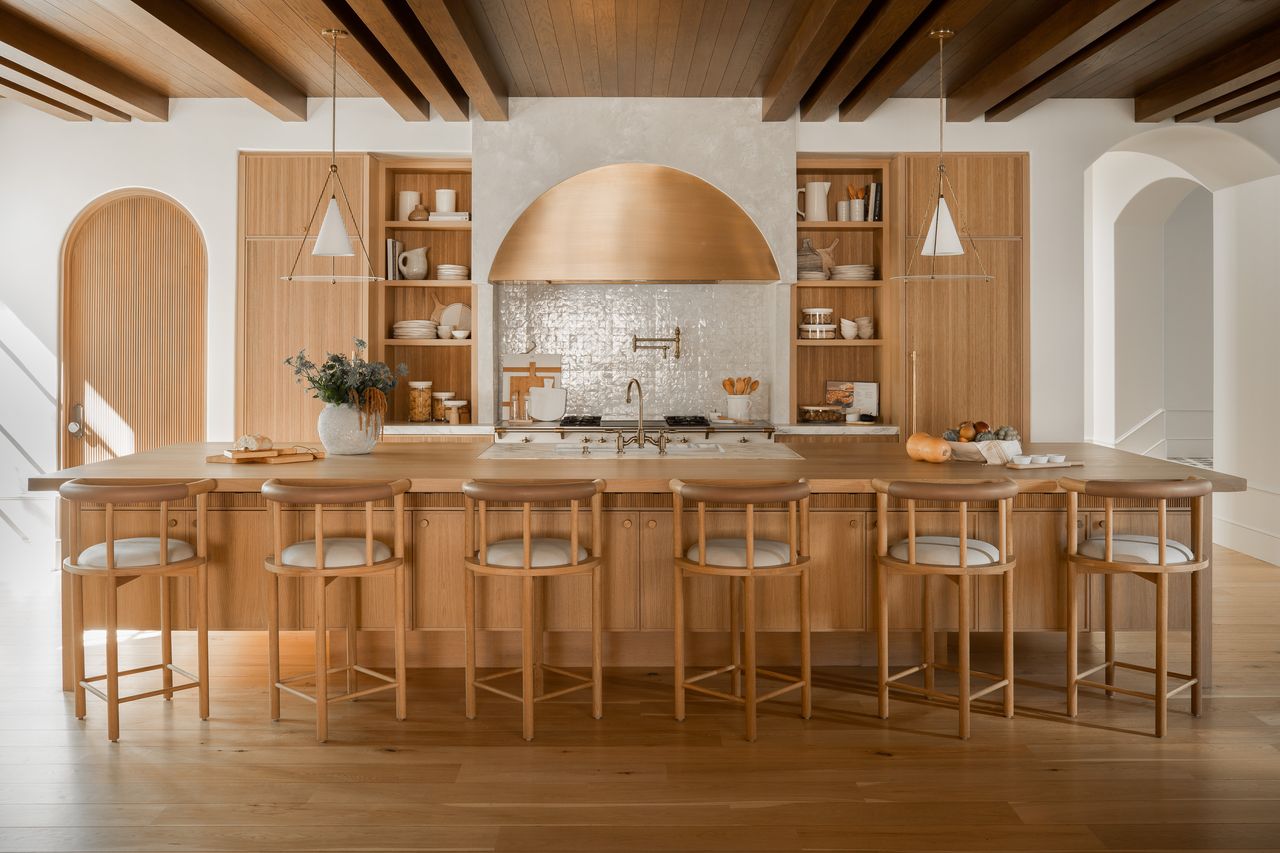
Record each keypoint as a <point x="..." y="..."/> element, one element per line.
<point x="1157" y="492"/>
<point x="794" y="494"/>
<point x="479" y="494"/>
<point x="280" y="493"/>
<point x="959" y="493"/>
<point x="111" y="493"/>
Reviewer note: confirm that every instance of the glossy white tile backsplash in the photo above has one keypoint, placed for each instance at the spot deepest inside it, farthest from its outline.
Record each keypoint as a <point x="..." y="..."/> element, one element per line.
<point x="725" y="330"/>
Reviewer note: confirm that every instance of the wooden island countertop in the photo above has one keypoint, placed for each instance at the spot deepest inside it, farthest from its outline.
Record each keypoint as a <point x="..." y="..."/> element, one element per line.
<point x="442" y="468"/>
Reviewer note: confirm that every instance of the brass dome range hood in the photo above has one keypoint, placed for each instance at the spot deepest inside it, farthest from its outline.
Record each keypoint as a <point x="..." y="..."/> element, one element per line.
<point x="633" y="222"/>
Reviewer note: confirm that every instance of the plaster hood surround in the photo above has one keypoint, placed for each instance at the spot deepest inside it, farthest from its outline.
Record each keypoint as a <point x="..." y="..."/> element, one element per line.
<point x="633" y="222"/>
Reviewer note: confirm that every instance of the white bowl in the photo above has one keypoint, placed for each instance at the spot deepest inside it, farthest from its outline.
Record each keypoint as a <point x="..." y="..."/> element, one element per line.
<point x="461" y="334"/>
<point x="1039" y="459"/>
<point x="1057" y="457"/>
<point x="1021" y="460"/>
<point x="444" y="332"/>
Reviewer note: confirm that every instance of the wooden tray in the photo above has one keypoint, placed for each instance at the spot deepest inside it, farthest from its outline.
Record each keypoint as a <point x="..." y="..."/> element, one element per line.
<point x="274" y="456"/>
<point x="1021" y="467"/>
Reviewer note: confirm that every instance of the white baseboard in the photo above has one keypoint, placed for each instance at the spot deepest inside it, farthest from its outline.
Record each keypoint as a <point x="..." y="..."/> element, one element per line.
<point x="1261" y="544"/>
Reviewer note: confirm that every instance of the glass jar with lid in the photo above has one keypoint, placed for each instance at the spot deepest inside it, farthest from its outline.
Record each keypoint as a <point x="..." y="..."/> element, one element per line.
<point x="419" y="402"/>
<point x="438" y="411"/>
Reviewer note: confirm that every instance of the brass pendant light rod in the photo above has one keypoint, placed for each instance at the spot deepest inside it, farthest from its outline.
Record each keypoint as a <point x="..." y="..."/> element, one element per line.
<point x="331" y="179"/>
<point x="944" y="187"/>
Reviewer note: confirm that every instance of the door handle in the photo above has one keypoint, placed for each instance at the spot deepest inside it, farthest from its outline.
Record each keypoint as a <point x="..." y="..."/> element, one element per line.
<point x="75" y="426"/>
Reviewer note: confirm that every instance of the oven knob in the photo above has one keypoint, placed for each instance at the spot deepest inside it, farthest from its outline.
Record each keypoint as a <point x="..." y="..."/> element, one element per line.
<point x="602" y="440"/>
<point x="525" y="440"/>
<point x="744" y="440"/>
<point x="586" y="439"/>
<point x="684" y="439"/>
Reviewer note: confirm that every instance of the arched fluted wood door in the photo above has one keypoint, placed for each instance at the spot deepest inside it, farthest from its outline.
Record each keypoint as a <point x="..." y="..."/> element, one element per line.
<point x="134" y="271"/>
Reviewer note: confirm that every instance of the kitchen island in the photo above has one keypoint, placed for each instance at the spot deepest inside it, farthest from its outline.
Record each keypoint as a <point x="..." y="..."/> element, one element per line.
<point x="638" y="546"/>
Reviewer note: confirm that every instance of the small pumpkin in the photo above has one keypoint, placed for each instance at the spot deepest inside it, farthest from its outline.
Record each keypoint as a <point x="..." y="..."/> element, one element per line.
<point x="927" y="448"/>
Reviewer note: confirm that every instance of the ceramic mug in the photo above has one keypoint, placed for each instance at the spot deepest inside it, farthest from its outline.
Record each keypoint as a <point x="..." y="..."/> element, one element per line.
<point x="842" y="211"/>
<point x="446" y="201"/>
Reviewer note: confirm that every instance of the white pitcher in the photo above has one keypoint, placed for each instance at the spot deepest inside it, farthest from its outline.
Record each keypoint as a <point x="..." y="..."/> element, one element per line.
<point x="413" y="264"/>
<point x="815" y="200"/>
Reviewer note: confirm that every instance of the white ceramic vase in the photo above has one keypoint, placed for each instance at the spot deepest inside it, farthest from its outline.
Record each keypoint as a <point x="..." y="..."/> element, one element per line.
<point x="341" y="433"/>
<point x="738" y="406"/>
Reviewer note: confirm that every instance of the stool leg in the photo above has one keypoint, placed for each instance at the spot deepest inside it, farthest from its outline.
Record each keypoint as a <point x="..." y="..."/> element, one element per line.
<point x="597" y="667"/>
<point x="749" y="641"/>
<point x="166" y="639"/>
<point x="735" y="634"/>
<point x="527" y="592"/>
<point x="1195" y="643"/>
<point x="963" y="652"/>
<point x="77" y="640"/>
<point x="402" y="681"/>
<point x="353" y="606"/>
<point x="113" y="664"/>
<point x="539" y="633"/>
<point x="273" y="642"/>
<point x="202" y="637"/>
<point x="469" y="640"/>
<point x="806" y="663"/>
<point x="678" y="639"/>
<point x="926" y="631"/>
<point x="322" y="663"/>
<point x="1007" y="624"/>
<point x="1162" y="653"/>
<point x="882" y="644"/>
<point x="1073" y="639"/>
<point x="1108" y="590"/>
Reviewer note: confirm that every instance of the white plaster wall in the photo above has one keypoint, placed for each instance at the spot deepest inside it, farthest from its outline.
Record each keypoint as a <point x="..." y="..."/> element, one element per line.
<point x="1188" y="327"/>
<point x="720" y="140"/>
<point x="1246" y="390"/>
<point x="51" y="169"/>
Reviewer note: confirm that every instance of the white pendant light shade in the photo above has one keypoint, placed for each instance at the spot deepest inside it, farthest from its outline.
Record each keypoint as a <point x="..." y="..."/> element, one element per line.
<point x="333" y="241"/>
<point x="941" y="240"/>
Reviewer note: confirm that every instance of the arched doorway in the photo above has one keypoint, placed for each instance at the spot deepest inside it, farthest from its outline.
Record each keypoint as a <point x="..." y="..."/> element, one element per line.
<point x="132" y="337"/>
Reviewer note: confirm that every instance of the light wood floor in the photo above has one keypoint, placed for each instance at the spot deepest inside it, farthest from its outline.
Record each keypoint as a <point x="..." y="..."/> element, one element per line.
<point x="638" y="781"/>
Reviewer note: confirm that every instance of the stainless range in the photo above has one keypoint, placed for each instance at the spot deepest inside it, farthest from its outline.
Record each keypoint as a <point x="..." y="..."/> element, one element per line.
<point x="599" y="431"/>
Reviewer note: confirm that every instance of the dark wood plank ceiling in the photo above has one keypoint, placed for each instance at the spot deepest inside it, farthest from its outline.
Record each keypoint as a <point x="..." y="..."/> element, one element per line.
<point x="112" y="60"/>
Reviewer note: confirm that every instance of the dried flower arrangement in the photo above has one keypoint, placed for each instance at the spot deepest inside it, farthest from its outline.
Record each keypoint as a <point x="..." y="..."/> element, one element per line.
<point x="340" y="380"/>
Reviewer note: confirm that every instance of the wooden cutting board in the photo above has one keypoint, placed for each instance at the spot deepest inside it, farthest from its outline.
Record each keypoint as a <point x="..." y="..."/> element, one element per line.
<point x="274" y="456"/>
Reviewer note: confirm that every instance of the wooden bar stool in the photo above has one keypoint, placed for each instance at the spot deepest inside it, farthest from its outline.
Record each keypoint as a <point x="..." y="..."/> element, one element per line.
<point x="532" y="559"/>
<point x="1152" y="558"/>
<point x="743" y="560"/>
<point x="325" y="560"/>
<point x="120" y="561"/>
<point x="957" y="558"/>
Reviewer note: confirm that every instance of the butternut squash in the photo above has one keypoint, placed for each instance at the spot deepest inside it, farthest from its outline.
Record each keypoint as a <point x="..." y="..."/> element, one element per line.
<point x="927" y="448"/>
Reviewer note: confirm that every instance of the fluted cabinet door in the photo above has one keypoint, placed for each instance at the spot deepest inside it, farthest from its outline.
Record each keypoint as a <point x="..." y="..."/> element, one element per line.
<point x="133" y="328"/>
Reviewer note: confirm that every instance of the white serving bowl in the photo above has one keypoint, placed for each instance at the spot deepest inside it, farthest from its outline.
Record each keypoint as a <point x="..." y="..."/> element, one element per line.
<point x="1039" y="459"/>
<point x="1056" y="457"/>
<point x="1021" y="460"/>
<point x="461" y="334"/>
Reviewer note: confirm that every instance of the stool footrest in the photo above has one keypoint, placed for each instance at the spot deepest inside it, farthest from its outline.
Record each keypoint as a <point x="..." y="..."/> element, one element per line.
<point x="990" y="688"/>
<point x="562" y="691"/>
<point x="345" y="697"/>
<point x="773" y="694"/>
<point x="1113" y="688"/>
<point x="906" y="672"/>
<point x="973" y="673"/>
<point x="711" y="673"/>
<point x="498" y="690"/>
<point x="496" y="675"/>
<point x="566" y="673"/>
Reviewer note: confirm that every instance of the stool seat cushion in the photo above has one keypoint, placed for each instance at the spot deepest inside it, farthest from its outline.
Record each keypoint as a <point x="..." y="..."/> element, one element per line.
<point x="542" y="553"/>
<point x="339" y="553"/>
<point x="138" y="551"/>
<point x="1133" y="548"/>
<point x="733" y="553"/>
<point x="945" y="551"/>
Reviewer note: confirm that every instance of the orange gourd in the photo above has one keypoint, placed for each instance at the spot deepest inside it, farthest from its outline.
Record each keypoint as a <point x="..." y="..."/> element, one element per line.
<point x="927" y="448"/>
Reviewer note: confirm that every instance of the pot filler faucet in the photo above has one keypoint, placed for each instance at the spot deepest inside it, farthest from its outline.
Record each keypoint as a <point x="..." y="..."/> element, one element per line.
<point x="640" y="439"/>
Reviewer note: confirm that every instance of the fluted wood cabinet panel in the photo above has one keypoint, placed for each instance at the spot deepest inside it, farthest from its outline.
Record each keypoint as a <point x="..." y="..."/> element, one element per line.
<point x="278" y="318"/>
<point x="278" y="192"/>
<point x="133" y="328"/>
<point x="992" y="190"/>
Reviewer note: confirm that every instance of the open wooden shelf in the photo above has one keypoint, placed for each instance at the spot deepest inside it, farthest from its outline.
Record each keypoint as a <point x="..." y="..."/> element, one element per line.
<point x="427" y="342"/>
<point x="838" y="283"/>
<point x="835" y="225"/>
<point x="427" y="282"/>
<point x="405" y="225"/>
<point x="839" y="342"/>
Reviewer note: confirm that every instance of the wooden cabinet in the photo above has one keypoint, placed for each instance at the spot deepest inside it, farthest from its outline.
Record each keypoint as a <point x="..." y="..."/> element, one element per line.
<point x="239" y="542"/>
<point x="993" y="191"/>
<point x="278" y="192"/>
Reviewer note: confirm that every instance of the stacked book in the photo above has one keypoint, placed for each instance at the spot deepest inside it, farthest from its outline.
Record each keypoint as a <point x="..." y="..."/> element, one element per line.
<point x="454" y="216"/>
<point x="394" y="248"/>
<point x="874" y="202"/>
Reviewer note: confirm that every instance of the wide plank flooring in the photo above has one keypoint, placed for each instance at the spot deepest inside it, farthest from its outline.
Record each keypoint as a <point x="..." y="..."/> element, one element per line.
<point x="637" y="780"/>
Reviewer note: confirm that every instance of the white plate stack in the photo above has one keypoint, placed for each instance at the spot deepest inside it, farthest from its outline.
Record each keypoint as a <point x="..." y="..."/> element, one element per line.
<point x="853" y="272"/>
<point x="414" y="329"/>
<point x="452" y="272"/>
<point x="811" y="275"/>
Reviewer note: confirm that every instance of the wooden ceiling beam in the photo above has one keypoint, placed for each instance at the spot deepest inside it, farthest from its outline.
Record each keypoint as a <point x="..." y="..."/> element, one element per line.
<point x="1068" y="29"/>
<point x="1156" y="21"/>
<point x="455" y="35"/>
<point x="366" y="56"/>
<point x="107" y="82"/>
<point x="1238" y="66"/>
<point x="51" y="88"/>
<point x="876" y="32"/>
<point x="404" y="37"/>
<point x="42" y="102"/>
<point x="1227" y="103"/>
<point x="1251" y="109"/>
<point x="248" y="75"/>
<point x="907" y="56"/>
<point x="821" y="32"/>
